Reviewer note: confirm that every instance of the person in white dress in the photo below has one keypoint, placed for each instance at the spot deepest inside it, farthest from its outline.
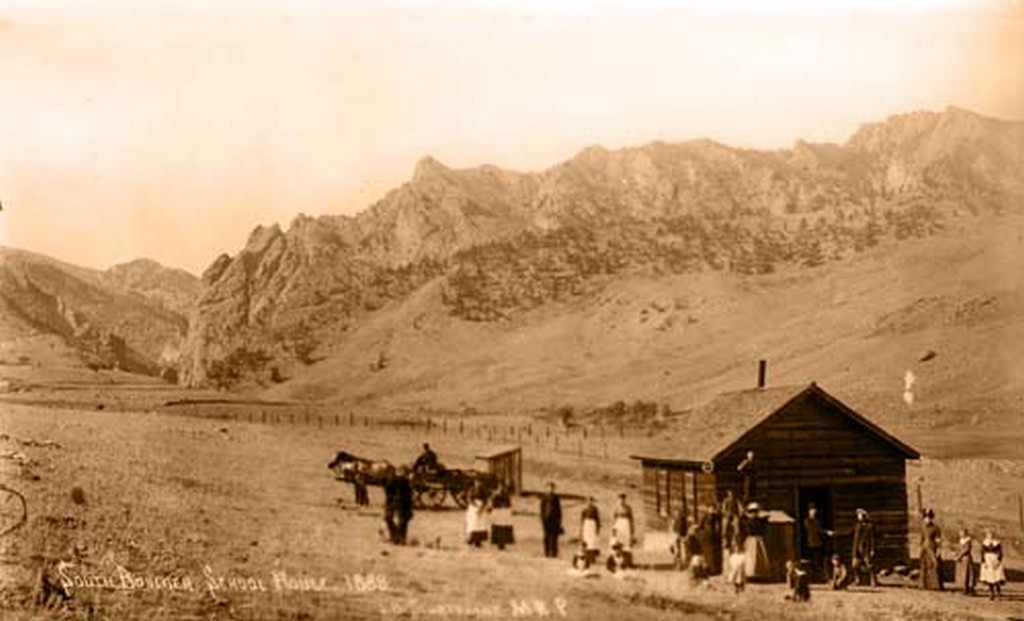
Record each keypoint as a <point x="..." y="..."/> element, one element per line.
<point x="622" y="525"/>
<point x="590" y="530"/>
<point x="992" y="572"/>
<point x="476" y="522"/>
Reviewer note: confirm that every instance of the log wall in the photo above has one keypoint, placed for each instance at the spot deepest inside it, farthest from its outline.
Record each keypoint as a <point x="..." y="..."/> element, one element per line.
<point x="807" y="444"/>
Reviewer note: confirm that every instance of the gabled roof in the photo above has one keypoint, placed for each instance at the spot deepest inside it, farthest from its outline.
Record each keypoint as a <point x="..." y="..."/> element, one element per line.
<point x="709" y="431"/>
<point x="498" y="451"/>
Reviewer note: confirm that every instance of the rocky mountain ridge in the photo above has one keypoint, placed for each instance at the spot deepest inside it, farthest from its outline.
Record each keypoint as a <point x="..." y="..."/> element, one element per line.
<point x="501" y="242"/>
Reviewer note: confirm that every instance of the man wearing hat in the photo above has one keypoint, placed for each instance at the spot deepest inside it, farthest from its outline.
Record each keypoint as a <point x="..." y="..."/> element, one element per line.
<point x="814" y="542"/>
<point x="863" y="548"/>
<point x="931" y="559"/>
<point x="551" y="520"/>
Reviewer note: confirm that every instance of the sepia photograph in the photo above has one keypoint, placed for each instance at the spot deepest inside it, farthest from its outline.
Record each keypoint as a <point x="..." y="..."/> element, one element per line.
<point x="512" y="310"/>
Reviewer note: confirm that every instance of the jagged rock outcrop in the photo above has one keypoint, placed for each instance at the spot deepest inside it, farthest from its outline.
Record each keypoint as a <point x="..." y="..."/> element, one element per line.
<point x="503" y="241"/>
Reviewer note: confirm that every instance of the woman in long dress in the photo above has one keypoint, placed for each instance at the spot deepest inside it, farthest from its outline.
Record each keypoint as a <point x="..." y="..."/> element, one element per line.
<point x="501" y="519"/>
<point x="735" y="562"/>
<point x="992" y="572"/>
<point x="931" y="562"/>
<point x="622" y="525"/>
<point x="590" y="530"/>
<point x="966" y="571"/>
<point x="476" y="525"/>
<point x="757" y="566"/>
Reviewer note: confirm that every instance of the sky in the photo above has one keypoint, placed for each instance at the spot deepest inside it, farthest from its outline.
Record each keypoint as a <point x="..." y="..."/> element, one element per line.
<point x="170" y="130"/>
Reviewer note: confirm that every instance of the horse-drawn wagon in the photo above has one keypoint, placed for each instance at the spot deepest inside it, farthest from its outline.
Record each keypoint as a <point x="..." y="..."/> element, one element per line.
<point x="431" y="486"/>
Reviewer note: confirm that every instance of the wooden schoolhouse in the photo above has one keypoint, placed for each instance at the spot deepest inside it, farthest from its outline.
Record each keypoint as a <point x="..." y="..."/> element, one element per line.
<point x="807" y="446"/>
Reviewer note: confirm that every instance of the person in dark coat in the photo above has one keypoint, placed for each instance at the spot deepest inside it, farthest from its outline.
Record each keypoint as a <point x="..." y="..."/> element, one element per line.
<point x="863" y="554"/>
<point x="695" y="559"/>
<point x="730" y="523"/>
<point x="798" y="581"/>
<point x="814" y="542"/>
<point x="359" y="486"/>
<point x="551" y="520"/>
<point x="391" y="506"/>
<point x="427" y="461"/>
<point x="711" y="539"/>
<point x="748" y="470"/>
<point x="931" y="562"/>
<point x="398" y="506"/>
<point x="966" y="568"/>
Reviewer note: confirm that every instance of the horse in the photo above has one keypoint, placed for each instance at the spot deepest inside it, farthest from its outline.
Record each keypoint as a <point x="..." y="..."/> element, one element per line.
<point x="348" y="467"/>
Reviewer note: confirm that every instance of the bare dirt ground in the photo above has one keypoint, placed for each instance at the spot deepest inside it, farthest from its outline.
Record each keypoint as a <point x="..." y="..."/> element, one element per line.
<point x="248" y="513"/>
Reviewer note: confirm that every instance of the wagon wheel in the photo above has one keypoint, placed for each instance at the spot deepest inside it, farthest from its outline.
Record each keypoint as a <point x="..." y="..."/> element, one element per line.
<point x="462" y="495"/>
<point x="432" y="497"/>
<point x="13" y="511"/>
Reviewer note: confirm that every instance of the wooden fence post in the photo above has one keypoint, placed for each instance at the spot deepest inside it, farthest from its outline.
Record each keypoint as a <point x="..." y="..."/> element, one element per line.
<point x="1020" y="511"/>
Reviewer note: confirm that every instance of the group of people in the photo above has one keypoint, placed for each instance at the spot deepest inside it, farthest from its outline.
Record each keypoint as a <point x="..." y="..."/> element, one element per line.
<point x="729" y="538"/>
<point x="975" y="562"/>
<point x="971" y="567"/>
<point x="490" y="517"/>
<point x="622" y="535"/>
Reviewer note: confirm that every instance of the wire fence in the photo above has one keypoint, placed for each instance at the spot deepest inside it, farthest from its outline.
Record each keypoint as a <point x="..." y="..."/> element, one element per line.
<point x="601" y="440"/>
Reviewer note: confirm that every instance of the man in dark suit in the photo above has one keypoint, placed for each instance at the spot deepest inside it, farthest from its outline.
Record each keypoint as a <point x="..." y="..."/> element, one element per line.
<point x="403" y="491"/>
<point x="814" y="542"/>
<point x="863" y="548"/>
<point x="748" y="470"/>
<point x="551" y="520"/>
<point x="398" y="505"/>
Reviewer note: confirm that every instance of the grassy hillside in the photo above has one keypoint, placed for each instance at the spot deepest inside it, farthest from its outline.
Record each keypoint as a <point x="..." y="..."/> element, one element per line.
<point x="854" y="326"/>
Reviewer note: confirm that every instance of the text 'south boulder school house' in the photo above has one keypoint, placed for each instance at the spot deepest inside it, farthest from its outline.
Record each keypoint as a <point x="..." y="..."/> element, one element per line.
<point x="808" y="447"/>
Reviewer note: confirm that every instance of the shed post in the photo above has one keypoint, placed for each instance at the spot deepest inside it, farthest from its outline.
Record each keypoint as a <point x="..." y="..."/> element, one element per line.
<point x="519" y="471"/>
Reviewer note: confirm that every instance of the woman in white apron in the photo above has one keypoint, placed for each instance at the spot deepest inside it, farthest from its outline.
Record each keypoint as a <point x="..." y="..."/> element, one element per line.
<point x="501" y="519"/>
<point x="623" y="533"/>
<point x="476" y="525"/>
<point x="992" y="573"/>
<point x="590" y="530"/>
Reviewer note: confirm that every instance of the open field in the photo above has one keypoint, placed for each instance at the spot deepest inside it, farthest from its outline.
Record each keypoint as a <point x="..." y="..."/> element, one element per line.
<point x="170" y="495"/>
